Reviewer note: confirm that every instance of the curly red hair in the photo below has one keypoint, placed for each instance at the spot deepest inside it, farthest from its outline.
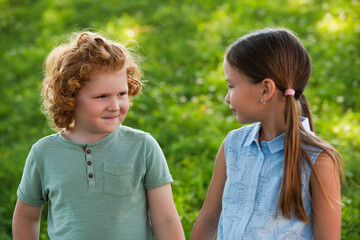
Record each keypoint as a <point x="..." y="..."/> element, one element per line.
<point x="69" y="66"/>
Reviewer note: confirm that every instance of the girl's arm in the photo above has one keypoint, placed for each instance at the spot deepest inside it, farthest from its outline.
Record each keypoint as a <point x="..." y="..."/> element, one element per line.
<point x="206" y="223"/>
<point x="26" y="221"/>
<point x="164" y="217"/>
<point x="327" y="215"/>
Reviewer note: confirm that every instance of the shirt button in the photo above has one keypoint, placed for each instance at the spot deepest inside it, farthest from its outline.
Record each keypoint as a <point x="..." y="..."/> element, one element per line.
<point x="91" y="176"/>
<point x="89" y="163"/>
<point x="88" y="151"/>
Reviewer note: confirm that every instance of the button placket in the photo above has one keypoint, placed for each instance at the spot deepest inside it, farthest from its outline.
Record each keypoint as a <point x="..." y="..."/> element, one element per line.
<point x="251" y="197"/>
<point x="90" y="169"/>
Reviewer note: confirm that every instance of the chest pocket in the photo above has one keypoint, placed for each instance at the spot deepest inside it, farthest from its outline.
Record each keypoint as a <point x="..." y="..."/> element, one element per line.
<point x="117" y="179"/>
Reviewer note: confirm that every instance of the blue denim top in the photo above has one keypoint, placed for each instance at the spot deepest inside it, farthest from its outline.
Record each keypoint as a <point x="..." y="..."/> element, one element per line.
<point x="252" y="187"/>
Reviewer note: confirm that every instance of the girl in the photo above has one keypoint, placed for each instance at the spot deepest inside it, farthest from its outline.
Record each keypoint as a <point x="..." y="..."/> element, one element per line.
<point x="273" y="179"/>
<point x="102" y="180"/>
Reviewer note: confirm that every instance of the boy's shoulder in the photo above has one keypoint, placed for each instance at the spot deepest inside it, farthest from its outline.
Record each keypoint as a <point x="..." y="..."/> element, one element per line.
<point x="46" y="145"/>
<point x="135" y="136"/>
<point x="125" y="130"/>
<point x="47" y="140"/>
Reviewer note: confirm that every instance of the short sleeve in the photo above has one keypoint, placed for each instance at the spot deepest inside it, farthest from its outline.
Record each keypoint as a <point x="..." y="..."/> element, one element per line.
<point x="30" y="188"/>
<point x="157" y="171"/>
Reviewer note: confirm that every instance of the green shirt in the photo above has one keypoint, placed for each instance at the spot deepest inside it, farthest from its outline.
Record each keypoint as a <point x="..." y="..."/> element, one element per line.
<point x="99" y="192"/>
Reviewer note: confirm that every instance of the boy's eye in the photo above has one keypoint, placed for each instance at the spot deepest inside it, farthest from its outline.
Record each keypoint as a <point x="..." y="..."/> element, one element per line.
<point x="122" y="94"/>
<point x="101" y="96"/>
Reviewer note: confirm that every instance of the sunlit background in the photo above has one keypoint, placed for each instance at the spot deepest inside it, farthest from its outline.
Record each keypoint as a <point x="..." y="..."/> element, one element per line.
<point x="181" y="46"/>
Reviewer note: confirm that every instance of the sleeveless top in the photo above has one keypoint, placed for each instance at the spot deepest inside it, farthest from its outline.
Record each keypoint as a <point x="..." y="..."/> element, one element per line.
<point x="252" y="186"/>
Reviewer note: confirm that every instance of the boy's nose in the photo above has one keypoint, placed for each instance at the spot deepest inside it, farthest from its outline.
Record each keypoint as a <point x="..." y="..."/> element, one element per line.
<point x="113" y="105"/>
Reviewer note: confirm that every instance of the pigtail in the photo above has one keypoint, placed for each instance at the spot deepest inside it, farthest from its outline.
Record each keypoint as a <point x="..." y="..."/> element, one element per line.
<point x="313" y="140"/>
<point x="290" y="196"/>
<point x="306" y="112"/>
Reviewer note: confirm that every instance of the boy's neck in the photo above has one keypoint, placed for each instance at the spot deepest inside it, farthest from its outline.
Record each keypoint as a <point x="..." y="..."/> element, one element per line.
<point x="75" y="137"/>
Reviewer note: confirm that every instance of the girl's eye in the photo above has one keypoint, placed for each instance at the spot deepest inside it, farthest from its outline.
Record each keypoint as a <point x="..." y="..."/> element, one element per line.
<point x="231" y="87"/>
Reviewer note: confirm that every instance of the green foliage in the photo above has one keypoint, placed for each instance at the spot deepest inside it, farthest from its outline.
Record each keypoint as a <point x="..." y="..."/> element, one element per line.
<point x="182" y="106"/>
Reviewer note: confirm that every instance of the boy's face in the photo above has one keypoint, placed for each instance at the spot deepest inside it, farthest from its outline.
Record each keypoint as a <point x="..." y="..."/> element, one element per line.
<point x="102" y="104"/>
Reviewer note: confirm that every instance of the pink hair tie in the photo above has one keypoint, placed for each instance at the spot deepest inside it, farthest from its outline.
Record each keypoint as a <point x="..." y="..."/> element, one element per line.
<point x="289" y="92"/>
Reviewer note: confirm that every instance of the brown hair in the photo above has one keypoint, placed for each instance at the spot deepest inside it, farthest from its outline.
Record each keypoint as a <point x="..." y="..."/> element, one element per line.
<point x="279" y="55"/>
<point x="68" y="67"/>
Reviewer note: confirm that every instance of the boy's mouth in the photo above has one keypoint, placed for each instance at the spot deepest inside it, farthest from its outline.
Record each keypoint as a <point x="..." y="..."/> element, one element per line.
<point x="111" y="117"/>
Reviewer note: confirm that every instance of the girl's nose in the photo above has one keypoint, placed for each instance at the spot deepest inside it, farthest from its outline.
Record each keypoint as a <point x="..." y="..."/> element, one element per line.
<point x="227" y="98"/>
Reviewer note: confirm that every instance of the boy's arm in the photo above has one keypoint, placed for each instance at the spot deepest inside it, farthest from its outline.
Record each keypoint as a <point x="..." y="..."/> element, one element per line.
<point x="206" y="223"/>
<point x="327" y="215"/>
<point x="26" y="221"/>
<point x="164" y="217"/>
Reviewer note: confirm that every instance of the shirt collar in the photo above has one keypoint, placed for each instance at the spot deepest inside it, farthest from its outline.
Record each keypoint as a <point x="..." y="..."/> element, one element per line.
<point x="253" y="135"/>
<point x="276" y="144"/>
<point x="104" y="139"/>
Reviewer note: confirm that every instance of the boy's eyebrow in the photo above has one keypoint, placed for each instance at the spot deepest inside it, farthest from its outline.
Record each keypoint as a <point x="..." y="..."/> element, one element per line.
<point x="107" y="93"/>
<point x="124" y="90"/>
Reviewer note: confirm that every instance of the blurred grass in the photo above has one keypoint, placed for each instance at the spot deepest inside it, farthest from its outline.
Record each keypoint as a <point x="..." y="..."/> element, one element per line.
<point x="182" y="44"/>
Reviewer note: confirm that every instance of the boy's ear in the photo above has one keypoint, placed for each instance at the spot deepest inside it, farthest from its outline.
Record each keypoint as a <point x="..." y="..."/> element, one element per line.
<point x="269" y="89"/>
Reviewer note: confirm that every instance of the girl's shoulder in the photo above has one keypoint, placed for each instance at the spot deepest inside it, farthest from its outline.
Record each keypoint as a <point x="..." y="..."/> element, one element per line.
<point x="241" y="137"/>
<point x="246" y="128"/>
<point x="244" y="132"/>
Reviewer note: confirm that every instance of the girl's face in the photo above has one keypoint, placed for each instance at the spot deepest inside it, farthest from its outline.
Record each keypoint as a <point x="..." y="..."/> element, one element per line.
<point x="243" y="96"/>
<point x="102" y="104"/>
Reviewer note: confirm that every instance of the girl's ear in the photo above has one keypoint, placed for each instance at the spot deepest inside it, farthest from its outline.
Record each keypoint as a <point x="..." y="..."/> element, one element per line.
<point x="269" y="89"/>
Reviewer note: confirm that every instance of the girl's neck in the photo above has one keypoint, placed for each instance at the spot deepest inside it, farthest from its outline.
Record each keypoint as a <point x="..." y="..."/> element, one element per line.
<point x="268" y="136"/>
<point x="271" y="129"/>
<point x="273" y="121"/>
